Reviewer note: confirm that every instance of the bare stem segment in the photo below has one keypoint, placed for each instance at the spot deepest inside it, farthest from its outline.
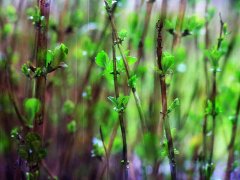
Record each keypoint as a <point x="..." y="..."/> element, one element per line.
<point x="231" y="144"/>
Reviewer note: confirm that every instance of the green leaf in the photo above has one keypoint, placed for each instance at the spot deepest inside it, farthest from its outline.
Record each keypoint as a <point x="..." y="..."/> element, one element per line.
<point x="209" y="107"/>
<point x="42" y="153"/>
<point x="38" y="72"/>
<point x="76" y="18"/>
<point x="72" y="126"/>
<point x="122" y="34"/>
<point x="225" y="29"/>
<point x="119" y="103"/>
<point x="22" y="152"/>
<point x="60" y="52"/>
<point x="113" y="100"/>
<point x="68" y="107"/>
<point x="11" y="13"/>
<point x="132" y="81"/>
<point x="169" y="24"/>
<point x="25" y="70"/>
<point x="174" y="104"/>
<point x="15" y="132"/>
<point x="98" y="149"/>
<point x="210" y="13"/>
<point x="131" y="60"/>
<point x="7" y="29"/>
<point x="31" y="107"/>
<point x="167" y="61"/>
<point x="194" y="23"/>
<point x="31" y="137"/>
<point x="214" y="56"/>
<point x="34" y="14"/>
<point x="49" y="57"/>
<point x="102" y="59"/>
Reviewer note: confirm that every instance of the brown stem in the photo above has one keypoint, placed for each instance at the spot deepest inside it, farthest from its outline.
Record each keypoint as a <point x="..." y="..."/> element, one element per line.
<point x="46" y="168"/>
<point x="231" y="144"/>
<point x="162" y="80"/>
<point x="179" y="24"/>
<point x="204" y="132"/>
<point x="140" y="51"/>
<point x="9" y="56"/>
<point x="214" y="95"/>
<point x="231" y="46"/>
<point x="44" y="6"/>
<point x="120" y="114"/>
<point x="128" y="72"/>
<point x="105" y="149"/>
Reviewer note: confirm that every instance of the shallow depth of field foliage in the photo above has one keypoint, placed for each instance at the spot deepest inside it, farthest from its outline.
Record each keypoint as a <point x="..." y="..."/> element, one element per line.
<point x="94" y="89"/>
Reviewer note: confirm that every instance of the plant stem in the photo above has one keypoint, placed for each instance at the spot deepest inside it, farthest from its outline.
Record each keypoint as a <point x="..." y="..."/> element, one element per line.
<point x="214" y="95"/>
<point x="44" y="6"/>
<point x="167" y="128"/>
<point x="9" y="56"/>
<point x="120" y="114"/>
<point x="179" y="24"/>
<point x="204" y="132"/>
<point x="231" y="46"/>
<point x="134" y="91"/>
<point x="105" y="149"/>
<point x="231" y="144"/>
<point x="46" y="168"/>
<point x="140" y="54"/>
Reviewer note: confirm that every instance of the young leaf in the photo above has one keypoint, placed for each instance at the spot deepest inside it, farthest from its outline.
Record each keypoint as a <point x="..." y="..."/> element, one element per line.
<point x="38" y="72"/>
<point x="169" y="24"/>
<point x="60" y="52"/>
<point x="102" y="59"/>
<point x="31" y="107"/>
<point x="210" y="13"/>
<point x="72" y="126"/>
<point x="209" y="107"/>
<point x="131" y="60"/>
<point x="132" y="81"/>
<point x="174" y="104"/>
<point x="167" y="61"/>
<point x="98" y="149"/>
<point x="49" y="58"/>
<point x="122" y="34"/>
<point x="194" y="23"/>
<point x="119" y="103"/>
<point x="25" y="70"/>
<point x="68" y="107"/>
<point x="214" y="55"/>
<point x="113" y="100"/>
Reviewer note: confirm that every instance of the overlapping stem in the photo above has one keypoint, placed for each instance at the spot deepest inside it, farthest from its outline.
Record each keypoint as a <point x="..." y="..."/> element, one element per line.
<point x="204" y="132"/>
<point x="120" y="114"/>
<point x="127" y="69"/>
<point x="44" y="6"/>
<point x="162" y="80"/>
<point x="214" y="95"/>
<point x="178" y="34"/>
<point x="145" y="29"/>
<point x="231" y="144"/>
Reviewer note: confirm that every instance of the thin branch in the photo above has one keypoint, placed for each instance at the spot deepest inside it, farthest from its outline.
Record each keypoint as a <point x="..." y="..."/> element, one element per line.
<point x="120" y="114"/>
<point x="128" y="72"/>
<point x="214" y="95"/>
<point x="178" y="34"/>
<point x="231" y="144"/>
<point x="48" y="171"/>
<point x="162" y="80"/>
<point x="141" y="43"/>
<point x="44" y="6"/>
